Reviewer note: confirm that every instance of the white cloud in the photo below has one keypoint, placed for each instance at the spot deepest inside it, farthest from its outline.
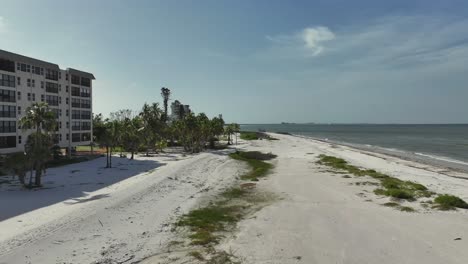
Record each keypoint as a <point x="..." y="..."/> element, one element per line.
<point x="314" y="37"/>
<point x="310" y="41"/>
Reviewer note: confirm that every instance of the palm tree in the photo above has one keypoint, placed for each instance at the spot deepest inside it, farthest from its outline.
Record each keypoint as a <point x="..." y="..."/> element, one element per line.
<point x="151" y="117"/>
<point x="236" y="128"/>
<point x="229" y="130"/>
<point x="40" y="117"/>
<point x="165" y="93"/>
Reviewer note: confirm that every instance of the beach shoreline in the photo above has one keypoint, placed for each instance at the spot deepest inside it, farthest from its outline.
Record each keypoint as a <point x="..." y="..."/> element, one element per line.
<point x="320" y="216"/>
<point x="422" y="158"/>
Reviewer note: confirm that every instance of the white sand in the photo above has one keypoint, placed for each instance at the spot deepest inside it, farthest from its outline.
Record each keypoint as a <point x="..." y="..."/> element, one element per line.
<point x="128" y="220"/>
<point x="322" y="218"/>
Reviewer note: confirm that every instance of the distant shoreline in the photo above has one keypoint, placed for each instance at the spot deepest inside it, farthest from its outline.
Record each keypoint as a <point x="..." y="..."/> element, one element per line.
<point x="437" y="161"/>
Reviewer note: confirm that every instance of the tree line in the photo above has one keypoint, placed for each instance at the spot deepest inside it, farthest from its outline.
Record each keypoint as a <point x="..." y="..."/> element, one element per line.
<point x="146" y="131"/>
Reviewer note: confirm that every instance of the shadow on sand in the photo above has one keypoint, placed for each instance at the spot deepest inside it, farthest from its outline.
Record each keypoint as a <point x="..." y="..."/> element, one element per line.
<point x="74" y="181"/>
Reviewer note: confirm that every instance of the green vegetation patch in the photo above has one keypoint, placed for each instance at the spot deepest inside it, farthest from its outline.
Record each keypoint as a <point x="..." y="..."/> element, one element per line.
<point x="250" y="135"/>
<point x="390" y="186"/>
<point x="246" y="135"/>
<point x="205" y="221"/>
<point x="406" y="209"/>
<point x="255" y="159"/>
<point x="449" y="202"/>
<point x="399" y="207"/>
<point x="234" y="193"/>
<point x="197" y="255"/>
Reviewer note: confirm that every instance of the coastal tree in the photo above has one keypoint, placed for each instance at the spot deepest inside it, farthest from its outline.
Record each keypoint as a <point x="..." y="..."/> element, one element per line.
<point x="153" y="126"/>
<point x="165" y="93"/>
<point x="41" y="118"/>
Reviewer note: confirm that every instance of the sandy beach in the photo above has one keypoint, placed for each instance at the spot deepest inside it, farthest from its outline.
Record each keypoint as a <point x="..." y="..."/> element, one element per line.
<point x="320" y="216"/>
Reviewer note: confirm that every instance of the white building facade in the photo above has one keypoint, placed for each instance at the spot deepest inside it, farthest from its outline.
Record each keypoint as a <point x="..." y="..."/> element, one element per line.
<point x="24" y="81"/>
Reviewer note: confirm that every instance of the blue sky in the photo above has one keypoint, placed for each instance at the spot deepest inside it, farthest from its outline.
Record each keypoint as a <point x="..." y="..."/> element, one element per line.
<point x="260" y="61"/>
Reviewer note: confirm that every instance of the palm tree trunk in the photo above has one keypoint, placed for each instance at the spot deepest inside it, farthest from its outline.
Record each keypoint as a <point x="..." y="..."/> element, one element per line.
<point x="30" y="177"/>
<point x="37" y="181"/>
<point x="131" y="156"/>
<point x="107" y="156"/>
<point x="110" y="158"/>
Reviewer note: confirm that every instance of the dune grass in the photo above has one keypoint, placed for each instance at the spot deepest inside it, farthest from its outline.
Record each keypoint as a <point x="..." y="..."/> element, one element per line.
<point x="204" y="222"/>
<point x="449" y="202"/>
<point x="250" y="135"/>
<point x="390" y="186"/>
<point x="256" y="160"/>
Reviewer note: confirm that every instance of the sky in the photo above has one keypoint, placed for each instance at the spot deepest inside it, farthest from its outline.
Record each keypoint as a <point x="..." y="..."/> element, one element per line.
<point x="264" y="61"/>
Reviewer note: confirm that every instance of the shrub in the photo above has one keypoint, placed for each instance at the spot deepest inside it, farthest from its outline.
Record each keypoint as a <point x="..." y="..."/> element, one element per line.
<point x="447" y="202"/>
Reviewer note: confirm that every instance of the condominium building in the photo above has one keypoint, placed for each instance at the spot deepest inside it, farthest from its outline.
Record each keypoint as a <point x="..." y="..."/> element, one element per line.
<point x="24" y="81"/>
<point x="178" y="110"/>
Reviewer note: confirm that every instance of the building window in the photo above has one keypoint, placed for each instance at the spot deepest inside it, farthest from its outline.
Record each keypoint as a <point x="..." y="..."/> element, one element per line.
<point x="42" y="98"/>
<point x="76" y="137"/>
<point x="19" y="80"/>
<point x="85" y="82"/>
<point x="85" y="114"/>
<point x="86" y="137"/>
<point x="28" y="68"/>
<point x="85" y="126"/>
<point x="76" y="125"/>
<point x="60" y="137"/>
<point x="29" y="82"/>
<point x="76" y="102"/>
<point x="7" y="65"/>
<point x="7" y="111"/>
<point x="66" y="76"/>
<point x="8" y="127"/>
<point x="76" y="114"/>
<point x="60" y="125"/>
<point x="52" y="100"/>
<point x="67" y="112"/>
<point x="75" y="91"/>
<point x="85" y="103"/>
<point x="85" y="92"/>
<point x="8" y="142"/>
<point x="34" y="97"/>
<point x="68" y="136"/>
<point x="66" y="100"/>
<point x="37" y="70"/>
<point x="51" y="75"/>
<point x="52" y="87"/>
<point x="7" y="80"/>
<point x="29" y="96"/>
<point x="75" y="79"/>
<point x="42" y="84"/>
<point x="66" y="89"/>
<point x="42" y="71"/>
<point x="33" y="83"/>
<point x="19" y="95"/>
<point x="19" y="139"/>
<point x="7" y="96"/>
<point x="19" y="110"/>
<point x="18" y="66"/>
<point x="60" y="100"/>
<point x="67" y="125"/>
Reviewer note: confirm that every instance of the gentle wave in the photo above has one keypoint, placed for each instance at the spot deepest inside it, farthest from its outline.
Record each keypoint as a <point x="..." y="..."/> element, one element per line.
<point x="442" y="158"/>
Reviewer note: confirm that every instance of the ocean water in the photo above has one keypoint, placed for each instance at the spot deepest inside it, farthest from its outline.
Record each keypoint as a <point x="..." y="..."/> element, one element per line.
<point x="442" y="142"/>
